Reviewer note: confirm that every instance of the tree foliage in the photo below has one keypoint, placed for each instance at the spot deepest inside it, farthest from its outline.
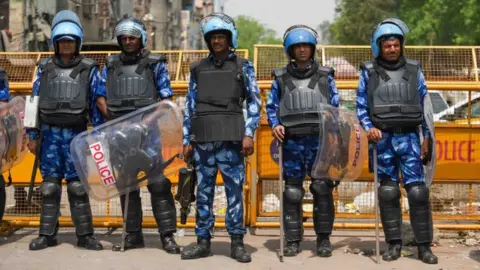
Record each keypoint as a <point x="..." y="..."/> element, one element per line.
<point x="431" y="22"/>
<point x="251" y="32"/>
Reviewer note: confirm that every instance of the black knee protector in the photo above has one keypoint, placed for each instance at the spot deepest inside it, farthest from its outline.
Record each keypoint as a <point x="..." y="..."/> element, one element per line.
<point x="80" y="208"/>
<point x="51" y="193"/>
<point x="163" y="205"/>
<point x="420" y="212"/>
<point x="323" y="207"/>
<point x="292" y="209"/>
<point x="390" y="211"/>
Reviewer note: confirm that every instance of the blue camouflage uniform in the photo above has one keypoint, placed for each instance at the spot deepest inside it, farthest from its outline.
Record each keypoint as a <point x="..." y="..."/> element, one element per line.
<point x="395" y="151"/>
<point x="299" y="153"/>
<point x="226" y="156"/>
<point x="55" y="158"/>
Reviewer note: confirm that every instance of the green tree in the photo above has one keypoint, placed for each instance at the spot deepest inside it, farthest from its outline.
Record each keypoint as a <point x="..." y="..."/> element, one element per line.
<point x="251" y="32"/>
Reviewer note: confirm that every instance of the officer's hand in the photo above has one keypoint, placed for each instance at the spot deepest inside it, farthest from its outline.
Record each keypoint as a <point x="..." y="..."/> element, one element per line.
<point x="247" y="146"/>
<point x="279" y="132"/>
<point x="374" y="135"/>
<point x="187" y="151"/>
<point x="426" y="151"/>
<point x="32" y="146"/>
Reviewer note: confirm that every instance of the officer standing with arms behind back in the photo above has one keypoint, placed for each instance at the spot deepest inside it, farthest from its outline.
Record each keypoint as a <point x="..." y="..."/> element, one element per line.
<point x="301" y="82"/>
<point x="136" y="78"/>
<point x="66" y="84"/>
<point x="391" y="120"/>
<point x="217" y="133"/>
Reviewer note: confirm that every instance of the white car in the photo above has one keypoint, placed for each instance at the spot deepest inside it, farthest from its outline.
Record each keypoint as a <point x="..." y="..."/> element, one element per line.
<point x="459" y="112"/>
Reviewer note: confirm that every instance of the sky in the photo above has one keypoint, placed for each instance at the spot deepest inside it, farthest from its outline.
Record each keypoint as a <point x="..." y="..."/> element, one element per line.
<point x="281" y="14"/>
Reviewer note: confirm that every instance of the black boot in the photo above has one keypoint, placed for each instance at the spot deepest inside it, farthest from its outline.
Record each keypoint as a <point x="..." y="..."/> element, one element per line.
<point x="200" y="250"/>
<point x="82" y="215"/>
<point x="44" y="241"/>
<point x="394" y="251"/>
<point x="426" y="255"/>
<point x="169" y="244"/>
<point x="238" y="251"/>
<point x="134" y="237"/>
<point x="132" y="240"/>
<point x="163" y="208"/>
<point x="89" y="242"/>
<point x="51" y="192"/>
<point x="292" y="248"/>
<point x="324" y="247"/>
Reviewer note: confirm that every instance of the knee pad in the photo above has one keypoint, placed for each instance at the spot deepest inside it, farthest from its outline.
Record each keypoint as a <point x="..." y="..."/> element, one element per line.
<point x="417" y="193"/>
<point x="76" y="188"/>
<point x="389" y="191"/>
<point x="161" y="186"/>
<point x="321" y="187"/>
<point x="294" y="191"/>
<point x="48" y="189"/>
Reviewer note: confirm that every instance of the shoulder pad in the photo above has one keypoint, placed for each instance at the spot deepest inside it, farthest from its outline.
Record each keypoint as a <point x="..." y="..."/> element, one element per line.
<point x="412" y="62"/>
<point x="42" y="62"/>
<point x="327" y="70"/>
<point x="241" y="61"/>
<point x="112" y="58"/>
<point x="89" y="62"/>
<point x="367" y="65"/>
<point x="277" y="72"/>
<point x="194" y="65"/>
<point x="156" y="57"/>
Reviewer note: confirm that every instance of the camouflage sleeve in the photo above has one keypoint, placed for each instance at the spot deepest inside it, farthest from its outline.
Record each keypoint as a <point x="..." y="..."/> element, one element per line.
<point x="190" y="107"/>
<point x="254" y="103"/>
<point x="422" y="89"/>
<point x="4" y="89"/>
<point x="33" y="132"/>
<point x="96" y="84"/>
<point x="334" y="96"/>
<point x="363" y="112"/>
<point x="273" y="101"/>
<point x="164" y="89"/>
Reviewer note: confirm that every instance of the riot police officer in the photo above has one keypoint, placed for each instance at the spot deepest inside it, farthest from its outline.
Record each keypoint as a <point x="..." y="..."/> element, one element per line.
<point x="390" y="107"/>
<point x="136" y="78"/>
<point x="217" y="134"/>
<point x="66" y="84"/>
<point x="301" y="82"/>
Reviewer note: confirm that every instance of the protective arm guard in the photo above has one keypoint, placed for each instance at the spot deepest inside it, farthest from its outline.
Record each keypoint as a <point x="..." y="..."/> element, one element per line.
<point x="187" y="182"/>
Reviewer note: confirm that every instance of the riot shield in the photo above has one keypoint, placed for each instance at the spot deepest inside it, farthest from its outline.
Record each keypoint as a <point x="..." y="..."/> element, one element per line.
<point x="431" y="161"/>
<point x="13" y="138"/>
<point x="129" y="152"/>
<point x="342" y="145"/>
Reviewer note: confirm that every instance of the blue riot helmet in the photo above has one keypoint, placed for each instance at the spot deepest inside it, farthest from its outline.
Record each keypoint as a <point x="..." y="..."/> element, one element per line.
<point x="388" y="28"/>
<point x="131" y="27"/>
<point x="298" y="34"/>
<point x="219" y="22"/>
<point x="67" y="26"/>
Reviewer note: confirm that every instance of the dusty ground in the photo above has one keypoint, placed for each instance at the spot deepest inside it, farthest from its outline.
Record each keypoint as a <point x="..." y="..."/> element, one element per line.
<point x="15" y="254"/>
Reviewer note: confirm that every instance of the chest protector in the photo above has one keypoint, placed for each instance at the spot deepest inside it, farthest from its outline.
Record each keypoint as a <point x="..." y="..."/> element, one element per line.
<point x="64" y="94"/>
<point x="131" y="86"/>
<point x="393" y="97"/>
<point x="220" y="94"/>
<point x="299" y="99"/>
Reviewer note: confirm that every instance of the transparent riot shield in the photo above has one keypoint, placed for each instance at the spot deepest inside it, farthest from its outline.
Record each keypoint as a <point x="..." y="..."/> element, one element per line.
<point x="129" y="152"/>
<point x="13" y="138"/>
<point x="342" y="145"/>
<point x="431" y="161"/>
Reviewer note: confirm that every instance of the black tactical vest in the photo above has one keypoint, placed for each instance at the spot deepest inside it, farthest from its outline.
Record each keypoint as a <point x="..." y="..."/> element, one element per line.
<point x="131" y="86"/>
<point x="393" y="97"/>
<point x="64" y="94"/>
<point x="220" y="94"/>
<point x="3" y="75"/>
<point x="299" y="98"/>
